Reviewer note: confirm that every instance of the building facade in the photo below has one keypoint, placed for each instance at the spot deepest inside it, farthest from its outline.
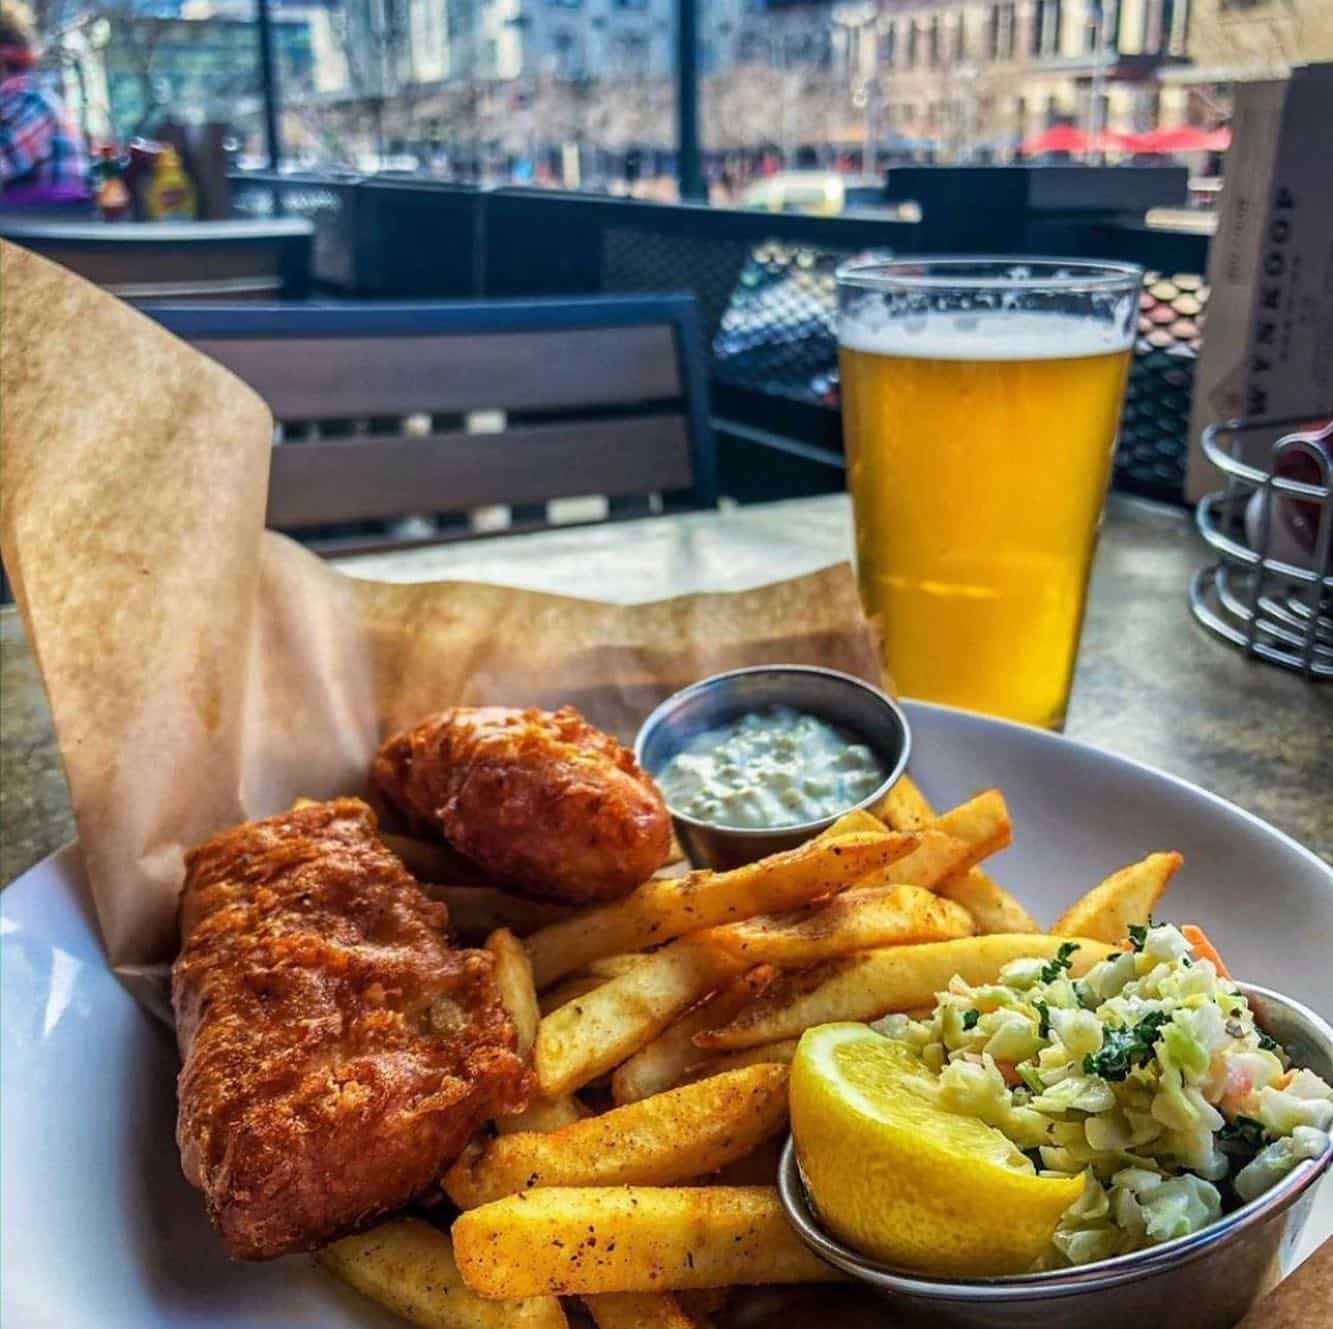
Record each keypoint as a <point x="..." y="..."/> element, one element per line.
<point x="571" y="40"/>
<point x="980" y="77"/>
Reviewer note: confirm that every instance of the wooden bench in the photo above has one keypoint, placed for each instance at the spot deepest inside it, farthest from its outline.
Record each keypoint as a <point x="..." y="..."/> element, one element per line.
<point x="450" y="410"/>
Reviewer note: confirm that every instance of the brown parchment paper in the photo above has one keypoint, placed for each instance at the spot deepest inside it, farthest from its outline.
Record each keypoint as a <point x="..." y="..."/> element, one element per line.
<point x="201" y="670"/>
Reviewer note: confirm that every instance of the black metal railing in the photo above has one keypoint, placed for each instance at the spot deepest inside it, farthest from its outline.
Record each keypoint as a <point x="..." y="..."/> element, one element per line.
<point x="764" y="282"/>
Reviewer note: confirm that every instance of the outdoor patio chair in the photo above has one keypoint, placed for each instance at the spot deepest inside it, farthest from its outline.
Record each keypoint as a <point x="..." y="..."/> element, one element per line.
<point x="470" y="418"/>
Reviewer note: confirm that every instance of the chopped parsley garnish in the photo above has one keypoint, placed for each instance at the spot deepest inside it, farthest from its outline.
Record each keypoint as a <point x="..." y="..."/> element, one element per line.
<point x="1058" y="967"/>
<point x="1043" y="1019"/>
<point x="1268" y="1044"/>
<point x="1138" y="933"/>
<point x="970" y="1019"/>
<point x="1122" y="1049"/>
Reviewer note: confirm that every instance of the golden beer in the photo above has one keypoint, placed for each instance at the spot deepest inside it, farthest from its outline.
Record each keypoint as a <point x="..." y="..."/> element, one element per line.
<point x="978" y="461"/>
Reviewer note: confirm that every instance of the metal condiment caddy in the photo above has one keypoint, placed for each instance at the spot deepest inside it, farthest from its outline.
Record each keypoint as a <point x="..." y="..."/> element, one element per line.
<point x="1266" y="593"/>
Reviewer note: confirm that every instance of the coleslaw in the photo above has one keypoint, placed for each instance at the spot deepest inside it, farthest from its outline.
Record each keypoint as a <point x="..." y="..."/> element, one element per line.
<point x="1148" y="1075"/>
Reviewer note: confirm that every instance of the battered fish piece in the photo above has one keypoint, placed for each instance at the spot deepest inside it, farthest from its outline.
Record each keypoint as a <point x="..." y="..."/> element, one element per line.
<point x="338" y="1052"/>
<point x="543" y="801"/>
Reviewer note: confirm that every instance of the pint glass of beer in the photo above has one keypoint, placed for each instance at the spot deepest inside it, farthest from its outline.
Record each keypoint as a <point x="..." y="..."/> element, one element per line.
<point x="980" y="401"/>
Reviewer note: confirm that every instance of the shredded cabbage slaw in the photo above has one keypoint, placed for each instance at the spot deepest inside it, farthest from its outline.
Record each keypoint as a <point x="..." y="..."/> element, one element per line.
<point x="1148" y="1076"/>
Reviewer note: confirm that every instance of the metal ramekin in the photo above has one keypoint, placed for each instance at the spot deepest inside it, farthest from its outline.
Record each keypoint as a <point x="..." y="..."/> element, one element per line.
<point x="1204" y="1281"/>
<point x="838" y="699"/>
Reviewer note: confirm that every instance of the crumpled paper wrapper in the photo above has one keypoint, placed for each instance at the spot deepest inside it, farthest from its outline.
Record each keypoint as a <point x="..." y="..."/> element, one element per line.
<point x="202" y="670"/>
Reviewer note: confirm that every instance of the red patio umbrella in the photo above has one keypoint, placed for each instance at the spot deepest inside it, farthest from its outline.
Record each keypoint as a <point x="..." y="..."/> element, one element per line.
<point x="1183" y="138"/>
<point x="1066" y="138"/>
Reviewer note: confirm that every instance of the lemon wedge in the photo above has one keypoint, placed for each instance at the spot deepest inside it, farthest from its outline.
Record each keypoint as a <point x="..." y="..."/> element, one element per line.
<point x="904" y="1180"/>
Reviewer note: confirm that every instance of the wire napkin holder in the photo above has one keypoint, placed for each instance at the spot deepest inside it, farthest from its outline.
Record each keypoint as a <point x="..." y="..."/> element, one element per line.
<point x="1266" y="593"/>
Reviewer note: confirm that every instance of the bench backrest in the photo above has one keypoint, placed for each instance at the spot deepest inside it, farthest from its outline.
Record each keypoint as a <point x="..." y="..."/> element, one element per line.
<point x="388" y="410"/>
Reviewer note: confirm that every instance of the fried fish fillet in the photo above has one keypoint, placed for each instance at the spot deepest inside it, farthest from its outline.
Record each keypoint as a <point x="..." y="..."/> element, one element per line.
<point x="543" y="801"/>
<point x="337" y="1051"/>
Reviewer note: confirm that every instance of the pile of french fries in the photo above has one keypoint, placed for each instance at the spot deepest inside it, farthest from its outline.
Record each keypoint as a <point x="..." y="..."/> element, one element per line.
<point x="640" y="1179"/>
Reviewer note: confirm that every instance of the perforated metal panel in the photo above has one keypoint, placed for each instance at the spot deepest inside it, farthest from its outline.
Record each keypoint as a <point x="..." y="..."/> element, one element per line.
<point x="1154" y="431"/>
<point x="778" y="336"/>
<point x="779" y="332"/>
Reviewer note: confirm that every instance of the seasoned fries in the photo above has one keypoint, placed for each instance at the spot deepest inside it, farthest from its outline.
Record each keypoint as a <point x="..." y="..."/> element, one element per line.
<point x="1125" y="897"/>
<point x="905" y="807"/>
<point x="856" y="920"/>
<point x="513" y="978"/>
<point x="982" y="821"/>
<point x="662" y="1064"/>
<point x="954" y="844"/>
<point x="665" y="908"/>
<point x="692" y="991"/>
<point x="664" y="1140"/>
<point x="591" y="1240"/>
<point x="723" y="1062"/>
<point x="596" y="1032"/>
<point x="543" y="1115"/>
<point x="566" y="991"/>
<point x="894" y="978"/>
<point x="409" y="1267"/>
<point x="992" y="908"/>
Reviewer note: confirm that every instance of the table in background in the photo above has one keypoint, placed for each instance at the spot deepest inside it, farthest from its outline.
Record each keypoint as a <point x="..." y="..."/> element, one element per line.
<point x="1150" y="684"/>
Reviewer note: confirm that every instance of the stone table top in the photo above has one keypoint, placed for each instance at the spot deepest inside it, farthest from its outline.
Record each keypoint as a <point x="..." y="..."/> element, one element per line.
<point x="1150" y="683"/>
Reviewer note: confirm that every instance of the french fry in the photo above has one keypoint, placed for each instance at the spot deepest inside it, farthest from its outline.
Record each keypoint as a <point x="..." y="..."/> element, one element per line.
<point x="905" y="807"/>
<point x="659" y="1141"/>
<point x="477" y="911"/>
<point x="895" y="978"/>
<point x="637" y="1310"/>
<point x="617" y="1309"/>
<point x="992" y="908"/>
<point x="856" y="920"/>
<point x="936" y="857"/>
<point x="956" y="842"/>
<point x="599" y="1030"/>
<point x="856" y="822"/>
<point x="612" y="966"/>
<point x="722" y="1063"/>
<point x="409" y="1267"/>
<point x="543" y="1114"/>
<point x="982" y="821"/>
<point x="757" y="1168"/>
<point x="661" y="1064"/>
<point x="513" y="979"/>
<point x="563" y="993"/>
<point x="665" y="908"/>
<point x="590" y="1240"/>
<point x="1125" y="897"/>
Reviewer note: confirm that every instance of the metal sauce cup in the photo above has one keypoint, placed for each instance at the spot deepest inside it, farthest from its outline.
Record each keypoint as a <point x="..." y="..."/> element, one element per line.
<point x="1207" y="1280"/>
<point x="837" y="699"/>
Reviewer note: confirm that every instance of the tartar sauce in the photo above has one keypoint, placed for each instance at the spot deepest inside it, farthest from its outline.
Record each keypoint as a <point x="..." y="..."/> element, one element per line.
<point x="768" y="769"/>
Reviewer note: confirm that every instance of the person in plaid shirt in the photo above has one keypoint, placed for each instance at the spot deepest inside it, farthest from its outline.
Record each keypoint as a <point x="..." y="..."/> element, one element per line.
<point x="42" y="159"/>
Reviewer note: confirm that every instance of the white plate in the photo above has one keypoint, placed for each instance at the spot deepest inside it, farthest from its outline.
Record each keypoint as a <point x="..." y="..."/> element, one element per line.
<point x="99" y="1228"/>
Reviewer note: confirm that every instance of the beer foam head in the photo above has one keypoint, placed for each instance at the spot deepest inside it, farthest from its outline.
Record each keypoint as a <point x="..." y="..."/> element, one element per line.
<point x="1009" y="334"/>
